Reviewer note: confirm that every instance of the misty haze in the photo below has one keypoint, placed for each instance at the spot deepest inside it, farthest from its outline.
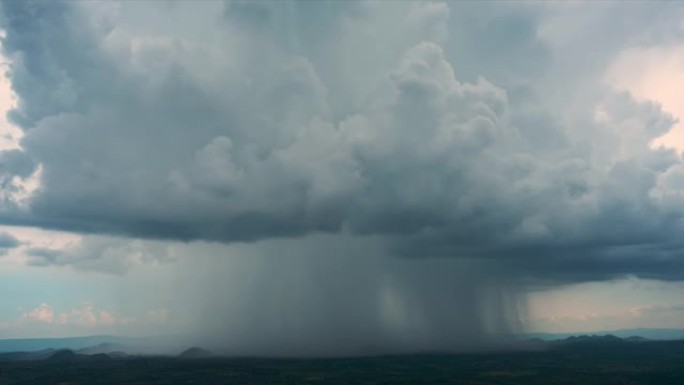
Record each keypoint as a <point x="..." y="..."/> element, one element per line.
<point x="283" y="191"/>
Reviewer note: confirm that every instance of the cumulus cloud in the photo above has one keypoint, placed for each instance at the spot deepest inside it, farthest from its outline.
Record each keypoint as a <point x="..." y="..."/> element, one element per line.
<point x="241" y="128"/>
<point x="43" y="313"/>
<point x="88" y="315"/>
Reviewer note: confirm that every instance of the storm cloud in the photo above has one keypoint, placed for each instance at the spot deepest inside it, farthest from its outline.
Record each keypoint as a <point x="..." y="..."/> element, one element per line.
<point x="253" y="134"/>
<point x="442" y="132"/>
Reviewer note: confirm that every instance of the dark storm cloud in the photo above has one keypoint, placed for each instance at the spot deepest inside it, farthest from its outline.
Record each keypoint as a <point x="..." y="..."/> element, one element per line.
<point x="16" y="163"/>
<point x="291" y="118"/>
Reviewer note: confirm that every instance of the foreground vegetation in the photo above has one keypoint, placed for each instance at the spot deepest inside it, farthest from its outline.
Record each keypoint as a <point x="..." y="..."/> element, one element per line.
<point x="592" y="362"/>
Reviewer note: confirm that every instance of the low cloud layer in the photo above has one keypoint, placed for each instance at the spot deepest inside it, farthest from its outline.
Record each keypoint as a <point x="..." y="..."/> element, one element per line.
<point x="102" y="254"/>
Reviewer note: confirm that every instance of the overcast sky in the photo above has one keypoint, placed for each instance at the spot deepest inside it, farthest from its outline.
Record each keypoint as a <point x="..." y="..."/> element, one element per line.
<point x="408" y="175"/>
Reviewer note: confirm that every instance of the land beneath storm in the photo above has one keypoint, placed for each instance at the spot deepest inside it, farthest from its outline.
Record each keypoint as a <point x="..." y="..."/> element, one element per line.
<point x="577" y="360"/>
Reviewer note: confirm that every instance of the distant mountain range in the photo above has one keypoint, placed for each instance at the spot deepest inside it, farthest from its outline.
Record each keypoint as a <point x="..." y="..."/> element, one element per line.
<point x="98" y="344"/>
<point x="101" y="352"/>
<point x="105" y="347"/>
<point x="647" y="333"/>
<point x="73" y="343"/>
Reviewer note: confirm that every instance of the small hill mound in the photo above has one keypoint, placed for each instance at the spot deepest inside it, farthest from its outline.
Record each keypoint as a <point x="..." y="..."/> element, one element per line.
<point x="64" y="355"/>
<point x="195" y="353"/>
<point x="636" y="339"/>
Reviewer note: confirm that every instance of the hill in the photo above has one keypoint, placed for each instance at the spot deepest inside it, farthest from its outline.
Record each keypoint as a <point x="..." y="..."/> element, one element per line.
<point x="654" y="334"/>
<point x="196" y="353"/>
<point x="64" y="355"/>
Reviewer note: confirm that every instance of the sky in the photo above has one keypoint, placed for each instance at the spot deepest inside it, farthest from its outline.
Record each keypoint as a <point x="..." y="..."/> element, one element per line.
<point x="298" y="177"/>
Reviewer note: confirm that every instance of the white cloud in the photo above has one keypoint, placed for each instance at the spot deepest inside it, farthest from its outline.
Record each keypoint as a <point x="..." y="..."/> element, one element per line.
<point x="43" y="313"/>
<point x="90" y="316"/>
